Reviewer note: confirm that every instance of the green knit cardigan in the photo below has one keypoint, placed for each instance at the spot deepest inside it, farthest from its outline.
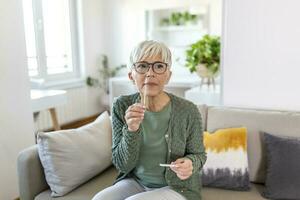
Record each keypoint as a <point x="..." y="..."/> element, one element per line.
<point x="184" y="138"/>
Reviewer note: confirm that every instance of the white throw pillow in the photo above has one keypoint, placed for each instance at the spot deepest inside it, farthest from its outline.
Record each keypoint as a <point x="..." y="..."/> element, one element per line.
<point x="72" y="157"/>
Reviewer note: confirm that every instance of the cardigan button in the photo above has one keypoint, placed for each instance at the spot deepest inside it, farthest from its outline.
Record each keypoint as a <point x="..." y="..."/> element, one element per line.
<point x="166" y="136"/>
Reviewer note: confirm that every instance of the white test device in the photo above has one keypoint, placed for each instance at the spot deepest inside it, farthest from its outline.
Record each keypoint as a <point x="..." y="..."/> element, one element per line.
<point x="167" y="165"/>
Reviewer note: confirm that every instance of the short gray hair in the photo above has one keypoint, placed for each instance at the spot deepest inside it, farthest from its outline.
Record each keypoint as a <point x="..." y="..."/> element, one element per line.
<point x="150" y="48"/>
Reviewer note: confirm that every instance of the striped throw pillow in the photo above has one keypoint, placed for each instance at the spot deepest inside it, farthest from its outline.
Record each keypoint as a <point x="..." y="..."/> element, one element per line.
<point x="227" y="161"/>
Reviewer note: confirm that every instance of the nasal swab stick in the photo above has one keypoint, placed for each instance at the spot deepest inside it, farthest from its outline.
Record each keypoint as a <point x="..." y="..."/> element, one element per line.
<point x="145" y="99"/>
<point x="167" y="165"/>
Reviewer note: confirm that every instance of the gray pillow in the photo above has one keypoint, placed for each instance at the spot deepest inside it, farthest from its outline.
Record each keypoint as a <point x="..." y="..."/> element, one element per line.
<point x="283" y="165"/>
<point x="71" y="157"/>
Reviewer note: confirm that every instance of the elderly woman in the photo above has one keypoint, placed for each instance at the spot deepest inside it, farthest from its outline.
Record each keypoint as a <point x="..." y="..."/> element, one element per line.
<point x="152" y="128"/>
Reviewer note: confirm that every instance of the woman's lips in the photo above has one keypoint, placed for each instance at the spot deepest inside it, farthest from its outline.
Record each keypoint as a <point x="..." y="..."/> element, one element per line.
<point x="151" y="84"/>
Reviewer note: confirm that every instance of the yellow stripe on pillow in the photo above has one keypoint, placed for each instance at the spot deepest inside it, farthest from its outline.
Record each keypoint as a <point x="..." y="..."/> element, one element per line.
<point x="224" y="139"/>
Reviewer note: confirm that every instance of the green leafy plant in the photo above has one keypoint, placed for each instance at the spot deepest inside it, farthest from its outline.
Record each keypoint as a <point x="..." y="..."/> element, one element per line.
<point x="205" y="51"/>
<point x="105" y="72"/>
<point x="176" y="18"/>
<point x="187" y="17"/>
<point x="179" y="18"/>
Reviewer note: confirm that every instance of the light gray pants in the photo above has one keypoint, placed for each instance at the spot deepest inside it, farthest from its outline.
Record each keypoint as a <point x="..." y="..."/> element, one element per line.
<point x="130" y="189"/>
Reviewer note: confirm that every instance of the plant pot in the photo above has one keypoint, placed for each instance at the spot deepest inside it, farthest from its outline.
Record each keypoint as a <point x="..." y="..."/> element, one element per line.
<point x="203" y="72"/>
<point x="207" y="77"/>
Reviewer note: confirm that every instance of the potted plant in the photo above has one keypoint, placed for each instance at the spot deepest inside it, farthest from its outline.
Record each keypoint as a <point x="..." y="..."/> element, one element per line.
<point x="105" y="72"/>
<point x="189" y="19"/>
<point x="180" y="19"/>
<point x="176" y="18"/>
<point x="203" y="57"/>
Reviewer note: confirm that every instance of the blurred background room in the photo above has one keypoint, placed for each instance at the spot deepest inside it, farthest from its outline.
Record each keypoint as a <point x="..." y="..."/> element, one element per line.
<point x="62" y="62"/>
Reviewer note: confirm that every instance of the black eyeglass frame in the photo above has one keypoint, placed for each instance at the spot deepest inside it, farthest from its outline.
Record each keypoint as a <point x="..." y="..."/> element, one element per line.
<point x="150" y="65"/>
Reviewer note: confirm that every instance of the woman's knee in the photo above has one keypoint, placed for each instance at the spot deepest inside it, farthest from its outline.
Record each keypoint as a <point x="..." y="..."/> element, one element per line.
<point x="141" y="196"/>
<point x="134" y="197"/>
<point x="111" y="193"/>
<point x="158" y="194"/>
<point x="103" y="195"/>
<point x="121" y="190"/>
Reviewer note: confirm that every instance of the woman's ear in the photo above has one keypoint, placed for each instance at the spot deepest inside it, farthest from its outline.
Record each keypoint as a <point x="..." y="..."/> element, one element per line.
<point x="131" y="77"/>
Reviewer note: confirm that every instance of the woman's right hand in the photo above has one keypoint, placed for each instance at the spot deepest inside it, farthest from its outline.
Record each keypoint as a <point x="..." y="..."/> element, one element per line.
<point x="134" y="116"/>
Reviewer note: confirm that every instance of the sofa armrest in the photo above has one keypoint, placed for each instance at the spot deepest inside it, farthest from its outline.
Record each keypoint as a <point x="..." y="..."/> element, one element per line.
<point x="30" y="173"/>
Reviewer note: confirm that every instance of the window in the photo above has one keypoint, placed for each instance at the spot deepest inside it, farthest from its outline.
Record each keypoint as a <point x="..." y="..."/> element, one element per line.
<point x="51" y="39"/>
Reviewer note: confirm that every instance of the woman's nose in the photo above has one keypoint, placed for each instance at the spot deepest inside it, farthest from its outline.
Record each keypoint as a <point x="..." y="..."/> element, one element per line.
<point x="150" y="72"/>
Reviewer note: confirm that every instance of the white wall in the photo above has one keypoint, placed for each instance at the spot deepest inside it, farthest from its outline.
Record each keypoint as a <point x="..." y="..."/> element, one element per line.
<point x="94" y="44"/>
<point x="215" y="17"/>
<point x="104" y="29"/>
<point x="16" y="123"/>
<point x="261" y="48"/>
<point x="103" y="34"/>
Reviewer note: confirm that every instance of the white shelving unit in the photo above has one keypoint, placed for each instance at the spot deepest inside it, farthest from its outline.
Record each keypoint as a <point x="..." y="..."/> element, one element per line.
<point x="178" y="29"/>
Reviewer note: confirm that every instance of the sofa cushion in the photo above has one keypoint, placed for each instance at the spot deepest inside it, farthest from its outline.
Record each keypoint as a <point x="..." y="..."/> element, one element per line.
<point x="255" y="121"/>
<point x="222" y="194"/>
<point x="283" y="164"/>
<point x="106" y="178"/>
<point x="227" y="163"/>
<point x="86" y="191"/>
<point x="71" y="157"/>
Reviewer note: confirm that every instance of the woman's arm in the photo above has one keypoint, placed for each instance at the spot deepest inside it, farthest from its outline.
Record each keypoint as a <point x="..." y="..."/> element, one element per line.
<point x="125" y="144"/>
<point x="194" y="146"/>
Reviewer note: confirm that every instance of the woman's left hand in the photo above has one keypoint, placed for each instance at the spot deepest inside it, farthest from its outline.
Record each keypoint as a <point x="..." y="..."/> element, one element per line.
<point x="183" y="168"/>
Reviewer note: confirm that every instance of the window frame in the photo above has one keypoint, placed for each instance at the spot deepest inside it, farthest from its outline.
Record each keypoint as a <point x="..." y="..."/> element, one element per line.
<point x="50" y="80"/>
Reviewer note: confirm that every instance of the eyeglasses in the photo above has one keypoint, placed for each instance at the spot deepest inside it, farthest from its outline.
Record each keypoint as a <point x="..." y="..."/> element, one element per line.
<point x="143" y="67"/>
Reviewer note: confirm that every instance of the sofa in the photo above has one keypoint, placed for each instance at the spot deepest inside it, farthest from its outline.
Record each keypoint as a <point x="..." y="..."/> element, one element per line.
<point x="32" y="183"/>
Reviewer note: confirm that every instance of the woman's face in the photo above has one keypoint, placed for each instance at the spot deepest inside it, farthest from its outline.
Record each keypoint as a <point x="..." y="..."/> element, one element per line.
<point x="150" y="83"/>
